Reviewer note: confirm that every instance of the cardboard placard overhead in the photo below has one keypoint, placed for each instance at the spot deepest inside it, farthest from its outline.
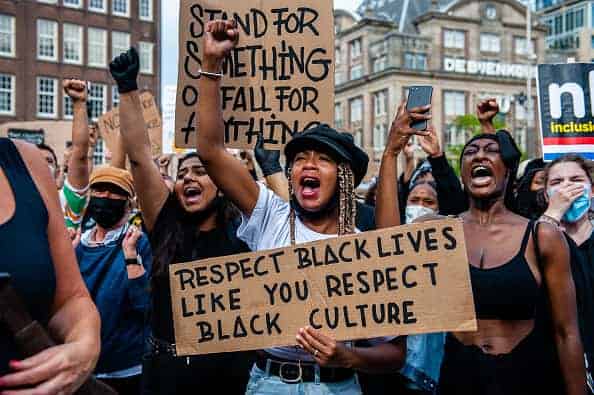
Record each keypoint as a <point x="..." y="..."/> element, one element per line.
<point x="277" y="81"/>
<point x="566" y="109"/>
<point x="109" y="124"/>
<point x="403" y="280"/>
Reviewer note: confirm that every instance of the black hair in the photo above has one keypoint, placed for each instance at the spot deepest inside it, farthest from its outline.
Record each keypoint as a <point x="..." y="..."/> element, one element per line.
<point x="45" y="147"/>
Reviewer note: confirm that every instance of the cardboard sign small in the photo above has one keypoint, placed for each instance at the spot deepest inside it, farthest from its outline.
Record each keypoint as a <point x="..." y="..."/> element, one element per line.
<point x="277" y="81"/>
<point x="566" y="109"/>
<point x="109" y="124"/>
<point x="403" y="280"/>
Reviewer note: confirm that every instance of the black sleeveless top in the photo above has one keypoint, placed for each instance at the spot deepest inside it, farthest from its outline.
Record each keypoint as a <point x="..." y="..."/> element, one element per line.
<point x="506" y="292"/>
<point x="24" y="246"/>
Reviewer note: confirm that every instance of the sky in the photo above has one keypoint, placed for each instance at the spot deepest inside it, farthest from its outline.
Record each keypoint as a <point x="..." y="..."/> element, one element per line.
<point x="169" y="39"/>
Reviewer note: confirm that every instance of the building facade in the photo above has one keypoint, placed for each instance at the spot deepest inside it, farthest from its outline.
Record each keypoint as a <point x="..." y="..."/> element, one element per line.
<point x="45" y="41"/>
<point x="468" y="51"/>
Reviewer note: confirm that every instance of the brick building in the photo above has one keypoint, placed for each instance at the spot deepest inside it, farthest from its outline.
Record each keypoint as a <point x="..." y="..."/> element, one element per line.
<point x="44" y="41"/>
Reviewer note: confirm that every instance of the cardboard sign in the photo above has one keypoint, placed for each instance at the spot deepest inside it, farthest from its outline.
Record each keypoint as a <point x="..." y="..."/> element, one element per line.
<point x="279" y="79"/>
<point x="109" y="124"/>
<point x="397" y="281"/>
<point x="566" y="109"/>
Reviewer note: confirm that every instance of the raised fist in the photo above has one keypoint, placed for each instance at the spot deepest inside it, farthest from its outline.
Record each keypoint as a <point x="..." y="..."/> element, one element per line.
<point x="220" y="38"/>
<point x="486" y="110"/>
<point x="75" y="89"/>
<point x="124" y="69"/>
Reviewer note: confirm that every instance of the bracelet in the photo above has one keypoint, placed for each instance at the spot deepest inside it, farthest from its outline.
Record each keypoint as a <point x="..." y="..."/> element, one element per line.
<point x="212" y="76"/>
<point x="550" y="220"/>
<point x="132" y="261"/>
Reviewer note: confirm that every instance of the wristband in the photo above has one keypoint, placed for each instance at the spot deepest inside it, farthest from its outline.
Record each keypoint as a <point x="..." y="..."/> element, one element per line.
<point x="212" y="76"/>
<point x="132" y="261"/>
<point x="550" y="220"/>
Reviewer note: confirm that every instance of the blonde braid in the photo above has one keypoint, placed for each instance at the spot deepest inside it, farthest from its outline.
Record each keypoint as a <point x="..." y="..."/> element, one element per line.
<point x="347" y="203"/>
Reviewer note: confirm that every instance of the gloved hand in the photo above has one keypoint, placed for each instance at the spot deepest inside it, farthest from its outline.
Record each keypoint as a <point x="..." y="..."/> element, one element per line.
<point x="124" y="69"/>
<point x="269" y="161"/>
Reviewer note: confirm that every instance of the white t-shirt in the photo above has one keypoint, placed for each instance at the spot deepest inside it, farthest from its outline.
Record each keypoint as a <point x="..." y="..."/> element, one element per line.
<point x="268" y="228"/>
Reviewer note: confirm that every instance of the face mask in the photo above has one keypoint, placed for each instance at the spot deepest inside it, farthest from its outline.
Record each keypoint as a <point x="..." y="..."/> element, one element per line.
<point x="578" y="208"/>
<point x="413" y="212"/>
<point x="106" y="212"/>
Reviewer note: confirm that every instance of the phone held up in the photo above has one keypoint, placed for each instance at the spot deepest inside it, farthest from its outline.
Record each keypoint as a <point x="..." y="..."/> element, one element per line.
<point x="419" y="96"/>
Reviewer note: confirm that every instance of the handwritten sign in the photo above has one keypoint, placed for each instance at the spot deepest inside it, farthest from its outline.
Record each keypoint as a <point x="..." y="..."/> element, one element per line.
<point x="403" y="280"/>
<point x="109" y="124"/>
<point x="279" y="79"/>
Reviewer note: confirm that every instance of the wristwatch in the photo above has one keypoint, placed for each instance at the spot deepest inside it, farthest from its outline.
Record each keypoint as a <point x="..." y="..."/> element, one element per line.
<point x="133" y="261"/>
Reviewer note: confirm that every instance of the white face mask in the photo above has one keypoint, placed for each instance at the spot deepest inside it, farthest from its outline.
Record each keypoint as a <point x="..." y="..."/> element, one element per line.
<point x="414" y="211"/>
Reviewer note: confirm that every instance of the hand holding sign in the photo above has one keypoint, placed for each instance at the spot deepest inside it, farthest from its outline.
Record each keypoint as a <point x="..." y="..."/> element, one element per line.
<point x="124" y="70"/>
<point x="76" y="90"/>
<point x="325" y="350"/>
<point x="220" y="38"/>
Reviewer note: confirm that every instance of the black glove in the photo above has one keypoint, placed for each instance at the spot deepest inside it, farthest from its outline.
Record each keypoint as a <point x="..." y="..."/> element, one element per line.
<point x="269" y="161"/>
<point x="124" y="69"/>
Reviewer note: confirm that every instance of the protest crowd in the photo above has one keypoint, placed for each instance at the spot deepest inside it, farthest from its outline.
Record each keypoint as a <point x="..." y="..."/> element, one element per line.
<point x="89" y="251"/>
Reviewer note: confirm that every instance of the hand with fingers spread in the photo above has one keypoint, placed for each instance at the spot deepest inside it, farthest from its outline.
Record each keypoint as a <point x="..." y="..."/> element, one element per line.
<point x="430" y="143"/>
<point x="268" y="160"/>
<point x="561" y="199"/>
<point x="124" y="69"/>
<point x="486" y="110"/>
<point x="401" y="131"/>
<point x="325" y="350"/>
<point x="58" y="370"/>
<point x="220" y="38"/>
<point x="76" y="90"/>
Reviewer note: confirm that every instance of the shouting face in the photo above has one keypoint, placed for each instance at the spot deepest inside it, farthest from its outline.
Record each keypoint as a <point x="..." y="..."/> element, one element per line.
<point x="484" y="174"/>
<point x="193" y="187"/>
<point x="314" y="179"/>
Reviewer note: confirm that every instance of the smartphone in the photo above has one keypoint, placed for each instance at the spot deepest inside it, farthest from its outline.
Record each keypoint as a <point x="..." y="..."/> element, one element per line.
<point x="419" y="96"/>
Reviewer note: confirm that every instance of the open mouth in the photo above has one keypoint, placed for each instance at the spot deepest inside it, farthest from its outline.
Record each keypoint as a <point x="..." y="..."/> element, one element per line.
<point x="192" y="194"/>
<point x="481" y="175"/>
<point x="310" y="187"/>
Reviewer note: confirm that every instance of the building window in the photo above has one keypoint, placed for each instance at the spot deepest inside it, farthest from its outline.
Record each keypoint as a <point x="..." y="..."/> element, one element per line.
<point x="120" y="7"/>
<point x="7" y="35"/>
<point x="379" y="136"/>
<point x="453" y="39"/>
<point x="47" y="95"/>
<point x="338" y="118"/>
<point x="73" y="39"/>
<point x="120" y="42"/>
<point x="380" y="103"/>
<point x="115" y="96"/>
<point x="490" y="42"/>
<point x="355" y="49"/>
<point x="520" y="112"/>
<point x="145" y="10"/>
<point x="379" y="56"/>
<point x="579" y="18"/>
<point x="97" y="100"/>
<point x="558" y="25"/>
<point x="97" y="47"/>
<point x="356" y="72"/>
<point x="99" y="153"/>
<point x="7" y="93"/>
<point x="520" y="47"/>
<point x="356" y="111"/>
<point x="380" y="63"/>
<point x="454" y="104"/>
<point x="47" y="40"/>
<point x="338" y="77"/>
<point x="358" y="137"/>
<point x="146" y="57"/>
<point x="415" y="61"/>
<point x="97" y="5"/>
<point x="337" y="56"/>
<point x="72" y="3"/>
<point x="68" y="107"/>
<point x="48" y="1"/>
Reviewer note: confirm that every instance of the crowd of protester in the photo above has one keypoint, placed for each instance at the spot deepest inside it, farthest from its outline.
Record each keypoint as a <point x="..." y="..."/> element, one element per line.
<point x="89" y="249"/>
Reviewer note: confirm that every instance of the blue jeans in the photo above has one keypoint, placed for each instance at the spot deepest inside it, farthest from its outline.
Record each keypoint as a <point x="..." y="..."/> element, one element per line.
<point x="262" y="383"/>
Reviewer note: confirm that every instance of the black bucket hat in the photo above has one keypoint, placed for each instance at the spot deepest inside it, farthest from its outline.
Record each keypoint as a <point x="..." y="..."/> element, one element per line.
<point x="340" y="146"/>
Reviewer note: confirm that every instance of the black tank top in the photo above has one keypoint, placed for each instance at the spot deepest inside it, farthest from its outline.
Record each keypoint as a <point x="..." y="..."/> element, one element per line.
<point x="24" y="246"/>
<point x="506" y="292"/>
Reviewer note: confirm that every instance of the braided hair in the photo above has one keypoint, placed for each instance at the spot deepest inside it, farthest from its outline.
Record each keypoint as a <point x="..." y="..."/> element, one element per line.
<point x="347" y="211"/>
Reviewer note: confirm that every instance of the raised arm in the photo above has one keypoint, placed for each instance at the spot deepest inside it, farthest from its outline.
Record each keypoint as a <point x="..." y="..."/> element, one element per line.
<point x="227" y="172"/>
<point x="486" y="110"/>
<point x="269" y="162"/>
<point x="387" y="210"/>
<point x="561" y="290"/>
<point x="78" y="164"/>
<point x="150" y="187"/>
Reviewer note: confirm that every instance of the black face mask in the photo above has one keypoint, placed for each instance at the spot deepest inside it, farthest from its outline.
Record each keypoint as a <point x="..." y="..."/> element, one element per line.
<point x="106" y="212"/>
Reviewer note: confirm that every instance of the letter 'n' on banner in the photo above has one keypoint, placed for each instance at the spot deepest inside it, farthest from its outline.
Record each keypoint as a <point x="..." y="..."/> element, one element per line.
<point x="566" y="109"/>
<point x="279" y="79"/>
